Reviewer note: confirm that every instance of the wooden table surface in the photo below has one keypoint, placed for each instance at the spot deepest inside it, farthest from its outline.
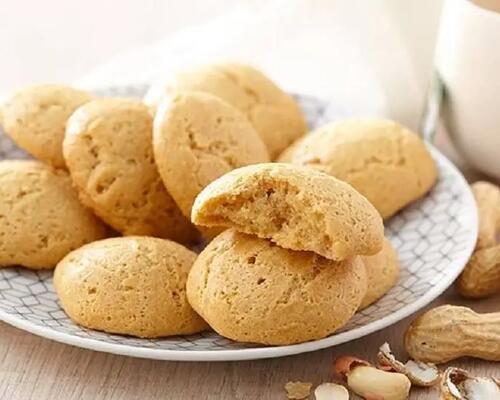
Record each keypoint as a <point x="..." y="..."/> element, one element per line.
<point x="36" y="368"/>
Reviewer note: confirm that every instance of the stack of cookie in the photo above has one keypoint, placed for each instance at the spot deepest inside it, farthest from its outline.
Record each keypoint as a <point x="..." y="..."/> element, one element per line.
<point x="119" y="181"/>
<point x="287" y="270"/>
<point x="297" y="258"/>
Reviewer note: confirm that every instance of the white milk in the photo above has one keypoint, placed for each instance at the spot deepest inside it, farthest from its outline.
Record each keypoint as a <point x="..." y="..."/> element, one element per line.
<point x="468" y="60"/>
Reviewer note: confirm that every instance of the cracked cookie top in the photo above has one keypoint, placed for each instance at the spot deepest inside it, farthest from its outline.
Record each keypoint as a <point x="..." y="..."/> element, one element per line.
<point x="198" y="138"/>
<point x="250" y="290"/>
<point x="41" y="219"/>
<point x="35" y="118"/>
<point x="129" y="285"/>
<point x="273" y="113"/>
<point x="384" y="161"/>
<point x="109" y="153"/>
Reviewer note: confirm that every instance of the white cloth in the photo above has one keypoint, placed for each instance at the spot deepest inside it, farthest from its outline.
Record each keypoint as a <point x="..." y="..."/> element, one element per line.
<point x="369" y="57"/>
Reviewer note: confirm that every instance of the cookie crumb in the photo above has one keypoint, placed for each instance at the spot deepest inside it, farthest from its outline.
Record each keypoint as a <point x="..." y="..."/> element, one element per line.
<point x="298" y="390"/>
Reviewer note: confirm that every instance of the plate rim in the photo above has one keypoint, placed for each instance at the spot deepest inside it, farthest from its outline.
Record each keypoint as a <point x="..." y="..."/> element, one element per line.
<point x="270" y="351"/>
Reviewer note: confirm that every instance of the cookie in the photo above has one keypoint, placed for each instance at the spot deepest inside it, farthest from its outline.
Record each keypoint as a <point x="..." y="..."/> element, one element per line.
<point x="129" y="285"/>
<point x="41" y="219"/>
<point x="35" y="118"/>
<point x="109" y="153"/>
<point x="382" y="271"/>
<point x="274" y="114"/>
<point x="198" y="138"/>
<point x="296" y="207"/>
<point x="384" y="161"/>
<point x="250" y="290"/>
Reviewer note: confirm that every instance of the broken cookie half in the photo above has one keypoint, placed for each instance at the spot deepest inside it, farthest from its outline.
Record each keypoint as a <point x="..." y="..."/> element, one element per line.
<point x="295" y="207"/>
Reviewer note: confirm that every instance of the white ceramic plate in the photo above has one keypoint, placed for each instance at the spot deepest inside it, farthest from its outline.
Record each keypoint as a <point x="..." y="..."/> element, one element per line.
<point x="434" y="238"/>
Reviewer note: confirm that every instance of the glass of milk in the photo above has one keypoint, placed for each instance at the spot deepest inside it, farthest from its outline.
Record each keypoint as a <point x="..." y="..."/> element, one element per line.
<point x="468" y="64"/>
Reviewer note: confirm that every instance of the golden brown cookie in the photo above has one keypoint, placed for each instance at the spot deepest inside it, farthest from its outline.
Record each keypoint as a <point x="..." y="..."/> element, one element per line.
<point x="296" y="207"/>
<point x="35" y="118"/>
<point x="383" y="271"/>
<point x="274" y="114"/>
<point x="250" y="290"/>
<point x="41" y="219"/>
<point x="109" y="153"/>
<point x="384" y="161"/>
<point x="130" y="285"/>
<point x="197" y="139"/>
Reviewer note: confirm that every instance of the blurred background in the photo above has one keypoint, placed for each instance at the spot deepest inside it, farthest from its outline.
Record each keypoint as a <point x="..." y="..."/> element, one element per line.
<point x="369" y="57"/>
<point x="60" y="40"/>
